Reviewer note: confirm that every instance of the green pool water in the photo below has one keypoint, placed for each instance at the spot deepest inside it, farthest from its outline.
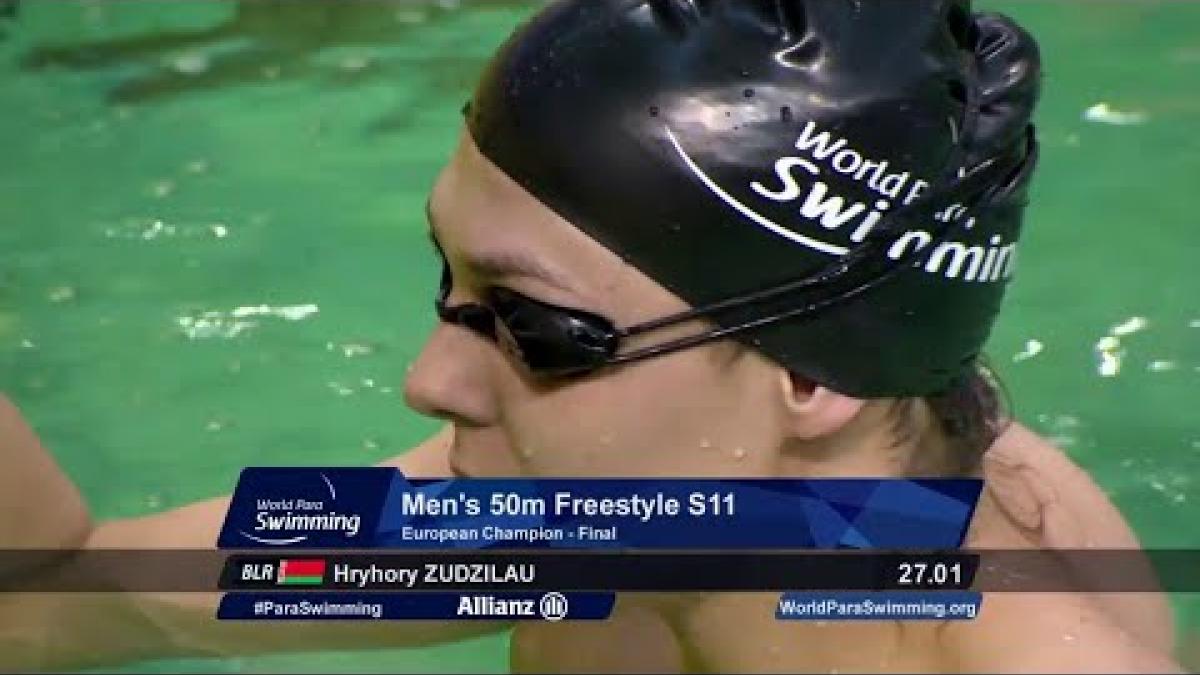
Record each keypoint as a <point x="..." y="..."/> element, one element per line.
<point x="212" y="247"/>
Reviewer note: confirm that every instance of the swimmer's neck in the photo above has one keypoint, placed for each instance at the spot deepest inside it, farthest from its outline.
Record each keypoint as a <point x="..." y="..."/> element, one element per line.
<point x="886" y="438"/>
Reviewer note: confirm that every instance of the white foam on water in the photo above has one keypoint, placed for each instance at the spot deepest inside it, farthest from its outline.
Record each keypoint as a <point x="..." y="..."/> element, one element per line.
<point x="209" y="325"/>
<point x="1032" y="349"/>
<point x="288" y="312"/>
<point x="195" y="63"/>
<point x="163" y="188"/>
<point x="197" y="166"/>
<point x="1130" y="326"/>
<point x="1104" y="113"/>
<point x="350" y="350"/>
<point x="152" y="229"/>
<point x="227" y="325"/>
<point x="1110" y="365"/>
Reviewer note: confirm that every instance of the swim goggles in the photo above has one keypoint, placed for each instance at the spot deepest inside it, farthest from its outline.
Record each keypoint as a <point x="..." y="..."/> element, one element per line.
<point x="554" y="342"/>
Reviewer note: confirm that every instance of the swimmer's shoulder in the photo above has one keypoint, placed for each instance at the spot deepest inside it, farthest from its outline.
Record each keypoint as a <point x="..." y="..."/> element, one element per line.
<point x="1050" y="498"/>
<point x="1036" y="497"/>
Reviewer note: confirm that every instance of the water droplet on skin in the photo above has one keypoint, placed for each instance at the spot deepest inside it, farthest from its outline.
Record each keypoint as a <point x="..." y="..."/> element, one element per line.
<point x="1067" y="637"/>
<point x="527" y="452"/>
<point x="705" y="444"/>
<point x="739" y="453"/>
<point x="606" y="439"/>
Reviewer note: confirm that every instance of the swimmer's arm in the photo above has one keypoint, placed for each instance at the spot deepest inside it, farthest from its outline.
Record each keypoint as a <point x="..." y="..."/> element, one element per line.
<point x="1049" y="633"/>
<point x="34" y="489"/>
<point x="77" y="630"/>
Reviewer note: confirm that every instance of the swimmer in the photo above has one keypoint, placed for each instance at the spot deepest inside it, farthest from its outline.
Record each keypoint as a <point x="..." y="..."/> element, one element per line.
<point x="726" y="238"/>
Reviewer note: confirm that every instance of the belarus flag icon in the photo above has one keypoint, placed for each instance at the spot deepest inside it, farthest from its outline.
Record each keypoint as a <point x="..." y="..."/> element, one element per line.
<point x="301" y="572"/>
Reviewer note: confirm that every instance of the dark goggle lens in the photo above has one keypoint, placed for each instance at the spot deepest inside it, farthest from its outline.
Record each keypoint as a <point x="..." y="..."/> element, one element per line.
<point x="549" y="340"/>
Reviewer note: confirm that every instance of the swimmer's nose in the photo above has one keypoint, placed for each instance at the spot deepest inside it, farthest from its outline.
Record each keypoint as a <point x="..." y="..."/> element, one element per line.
<point x="449" y="378"/>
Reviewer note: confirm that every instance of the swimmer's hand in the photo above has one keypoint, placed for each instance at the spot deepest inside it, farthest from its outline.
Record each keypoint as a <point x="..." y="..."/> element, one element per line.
<point x="61" y="631"/>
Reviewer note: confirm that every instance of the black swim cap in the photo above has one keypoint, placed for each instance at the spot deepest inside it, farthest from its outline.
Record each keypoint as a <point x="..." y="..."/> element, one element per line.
<point x="728" y="146"/>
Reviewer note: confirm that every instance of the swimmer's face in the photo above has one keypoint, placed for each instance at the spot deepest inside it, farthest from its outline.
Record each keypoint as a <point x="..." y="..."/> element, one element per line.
<point x="713" y="410"/>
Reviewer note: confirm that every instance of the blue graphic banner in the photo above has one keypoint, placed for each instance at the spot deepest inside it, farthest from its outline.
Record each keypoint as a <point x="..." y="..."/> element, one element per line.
<point x="378" y="508"/>
<point x="520" y="606"/>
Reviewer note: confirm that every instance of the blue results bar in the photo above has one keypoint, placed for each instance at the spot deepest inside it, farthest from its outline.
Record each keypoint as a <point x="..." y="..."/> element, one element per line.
<point x="378" y="508"/>
<point x="549" y="606"/>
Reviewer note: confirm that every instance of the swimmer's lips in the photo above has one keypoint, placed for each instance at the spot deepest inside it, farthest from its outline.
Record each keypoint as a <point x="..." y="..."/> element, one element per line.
<point x="456" y="469"/>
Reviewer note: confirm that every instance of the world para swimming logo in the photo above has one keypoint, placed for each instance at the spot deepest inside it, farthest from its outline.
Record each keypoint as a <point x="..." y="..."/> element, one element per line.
<point x="299" y="513"/>
<point x="803" y="180"/>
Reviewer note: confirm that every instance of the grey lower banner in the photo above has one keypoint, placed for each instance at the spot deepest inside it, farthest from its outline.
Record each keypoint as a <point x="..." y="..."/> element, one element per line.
<point x="1094" y="571"/>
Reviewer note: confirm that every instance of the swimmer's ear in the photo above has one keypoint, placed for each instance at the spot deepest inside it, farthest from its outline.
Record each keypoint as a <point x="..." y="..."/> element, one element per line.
<point x="811" y="410"/>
